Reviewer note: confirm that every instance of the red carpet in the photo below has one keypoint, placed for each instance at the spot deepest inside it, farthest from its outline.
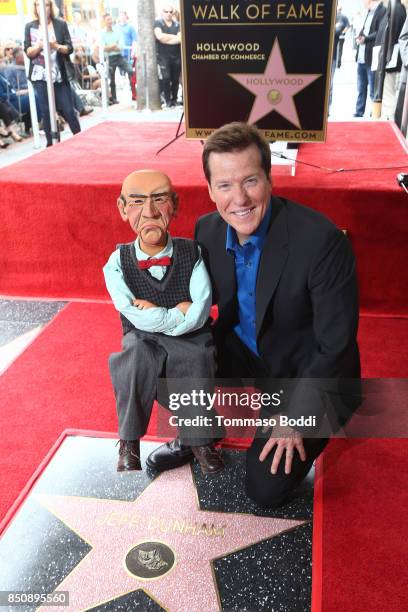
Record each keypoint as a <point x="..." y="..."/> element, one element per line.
<point x="365" y="496"/>
<point x="365" y="556"/>
<point x="70" y="225"/>
<point x="62" y="382"/>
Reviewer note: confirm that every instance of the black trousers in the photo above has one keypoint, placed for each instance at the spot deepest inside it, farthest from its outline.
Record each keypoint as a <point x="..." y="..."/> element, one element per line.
<point x="340" y="51"/>
<point x="7" y="114"/>
<point x="236" y="360"/>
<point x="117" y="61"/>
<point x="169" y="71"/>
<point x="63" y="103"/>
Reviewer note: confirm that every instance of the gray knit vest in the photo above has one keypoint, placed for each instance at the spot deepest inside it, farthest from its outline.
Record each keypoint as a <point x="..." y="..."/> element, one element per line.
<point x="172" y="289"/>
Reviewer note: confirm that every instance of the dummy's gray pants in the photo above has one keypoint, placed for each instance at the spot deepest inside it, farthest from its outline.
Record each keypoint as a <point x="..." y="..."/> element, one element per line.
<point x="146" y="357"/>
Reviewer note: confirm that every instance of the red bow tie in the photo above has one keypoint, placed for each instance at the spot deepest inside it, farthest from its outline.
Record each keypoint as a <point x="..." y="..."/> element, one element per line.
<point x="143" y="264"/>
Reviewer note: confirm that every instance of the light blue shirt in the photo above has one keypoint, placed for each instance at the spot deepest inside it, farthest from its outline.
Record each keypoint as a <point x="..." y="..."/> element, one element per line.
<point x="110" y="37"/>
<point x="172" y="321"/>
<point x="129" y="36"/>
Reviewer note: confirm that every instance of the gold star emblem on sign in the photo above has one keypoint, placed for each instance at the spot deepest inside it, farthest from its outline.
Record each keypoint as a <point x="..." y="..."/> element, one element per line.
<point x="162" y="543"/>
<point x="274" y="89"/>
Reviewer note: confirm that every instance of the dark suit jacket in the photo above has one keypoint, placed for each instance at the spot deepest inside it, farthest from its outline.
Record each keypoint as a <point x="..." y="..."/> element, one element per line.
<point x="306" y="293"/>
<point x="388" y="33"/>
<point x="371" y="36"/>
<point x="403" y="47"/>
<point x="62" y="36"/>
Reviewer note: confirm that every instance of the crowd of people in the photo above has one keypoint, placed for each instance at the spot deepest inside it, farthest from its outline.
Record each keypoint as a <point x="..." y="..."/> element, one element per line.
<point x="15" y="108"/>
<point x="77" y="68"/>
<point x="13" y="94"/>
<point x="119" y="43"/>
<point x="379" y="35"/>
<point x="380" y="42"/>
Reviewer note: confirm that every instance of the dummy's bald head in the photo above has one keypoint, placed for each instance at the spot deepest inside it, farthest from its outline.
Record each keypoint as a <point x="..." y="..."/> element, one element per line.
<point x="145" y="182"/>
<point x="148" y="202"/>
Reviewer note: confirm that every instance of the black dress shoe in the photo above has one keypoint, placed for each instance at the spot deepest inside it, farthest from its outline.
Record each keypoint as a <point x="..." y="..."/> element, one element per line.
<point x="129" y="456"/>
<point x="170" y="455"/>
<point x="209" y="459"/>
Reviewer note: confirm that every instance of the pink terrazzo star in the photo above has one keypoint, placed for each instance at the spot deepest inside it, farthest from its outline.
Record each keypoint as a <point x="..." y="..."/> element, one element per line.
<point x="167" y="512"/>
<point x="275" y="88"/>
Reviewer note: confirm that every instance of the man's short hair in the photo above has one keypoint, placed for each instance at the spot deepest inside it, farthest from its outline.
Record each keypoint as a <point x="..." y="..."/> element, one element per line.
<point x="236" y="136"/>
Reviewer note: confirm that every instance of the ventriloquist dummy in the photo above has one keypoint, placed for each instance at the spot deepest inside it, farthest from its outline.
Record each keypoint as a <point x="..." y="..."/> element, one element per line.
<point x="162" y="290"/>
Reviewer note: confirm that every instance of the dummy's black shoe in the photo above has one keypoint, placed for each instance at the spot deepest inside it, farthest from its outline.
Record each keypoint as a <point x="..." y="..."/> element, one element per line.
<point x="170" y="455"/>
<point x="129" y="456"/>
<point x="209" y="459"/>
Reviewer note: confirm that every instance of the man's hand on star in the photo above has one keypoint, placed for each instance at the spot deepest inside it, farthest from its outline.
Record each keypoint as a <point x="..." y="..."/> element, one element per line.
<point x="286" y="440"/>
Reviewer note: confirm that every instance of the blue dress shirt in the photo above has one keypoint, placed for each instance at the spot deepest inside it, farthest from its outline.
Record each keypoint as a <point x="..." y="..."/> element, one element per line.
<point x="247" y="258"/>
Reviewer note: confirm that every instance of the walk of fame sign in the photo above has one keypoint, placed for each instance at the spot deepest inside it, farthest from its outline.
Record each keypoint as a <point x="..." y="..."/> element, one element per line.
<point x="179" y="541"/>
<point x="266" y="63"/>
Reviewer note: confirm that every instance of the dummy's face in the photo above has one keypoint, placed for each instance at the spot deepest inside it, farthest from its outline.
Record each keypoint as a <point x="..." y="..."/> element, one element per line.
<point x="149" y="208"/>
<point x="240" y="189"/>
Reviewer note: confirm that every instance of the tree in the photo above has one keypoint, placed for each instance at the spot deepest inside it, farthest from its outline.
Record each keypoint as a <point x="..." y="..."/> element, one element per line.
<point x="148" y="95"/>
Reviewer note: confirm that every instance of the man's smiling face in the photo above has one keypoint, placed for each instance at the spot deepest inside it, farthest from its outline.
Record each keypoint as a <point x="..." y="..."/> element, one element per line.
<point x="240" y="189"/>
<point x="147" y="202"/>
